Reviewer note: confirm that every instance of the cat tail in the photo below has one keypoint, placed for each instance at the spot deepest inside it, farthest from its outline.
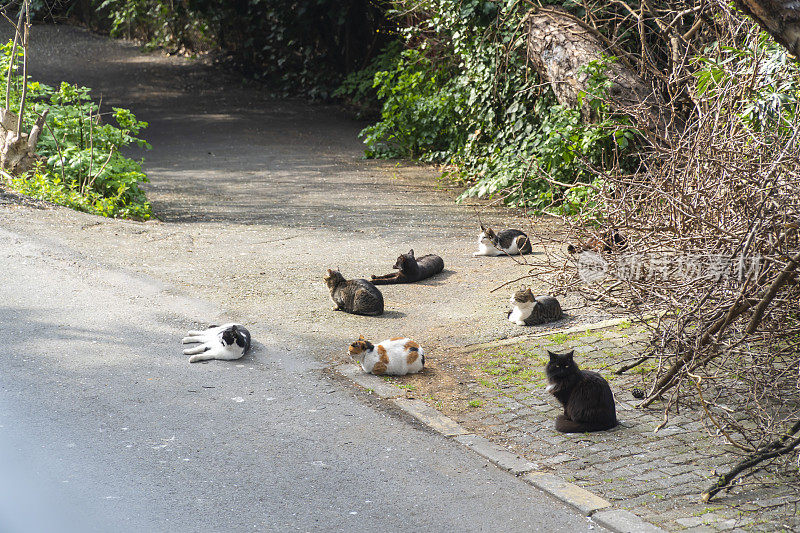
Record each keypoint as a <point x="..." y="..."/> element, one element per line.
<point x="381" y="280"/>
<point x="565" y="425"/>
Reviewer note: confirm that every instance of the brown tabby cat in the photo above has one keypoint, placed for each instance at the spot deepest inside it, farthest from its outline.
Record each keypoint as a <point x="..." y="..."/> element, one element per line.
<point x="356" y="296"/>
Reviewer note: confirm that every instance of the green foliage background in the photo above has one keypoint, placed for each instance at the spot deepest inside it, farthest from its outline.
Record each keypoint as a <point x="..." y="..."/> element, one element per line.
<point x="445" y="81"/>
<point x="462" y="93"/>
<point x="82" y="165"/>
<point x="449" y="78"/>
<point x="300" y="47"/>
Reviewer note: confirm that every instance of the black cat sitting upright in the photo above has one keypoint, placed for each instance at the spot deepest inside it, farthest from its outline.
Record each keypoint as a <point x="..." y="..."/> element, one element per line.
<point x="587" y="399"/>
<point x="411" y="269"/>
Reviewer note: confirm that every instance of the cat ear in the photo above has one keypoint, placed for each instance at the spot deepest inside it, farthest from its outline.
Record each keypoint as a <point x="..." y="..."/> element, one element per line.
<point x="551" y="354"/>
<point x="570" y="354"/>
<point x="361" y="338"/>
<point x="411" y="252"/>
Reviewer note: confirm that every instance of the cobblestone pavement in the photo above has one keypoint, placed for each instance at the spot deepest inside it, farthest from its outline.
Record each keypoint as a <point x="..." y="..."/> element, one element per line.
<point x="497" y="390"/>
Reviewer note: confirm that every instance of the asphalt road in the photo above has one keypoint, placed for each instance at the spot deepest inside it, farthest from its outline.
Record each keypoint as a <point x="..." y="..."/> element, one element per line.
<point x="105" y="426"/>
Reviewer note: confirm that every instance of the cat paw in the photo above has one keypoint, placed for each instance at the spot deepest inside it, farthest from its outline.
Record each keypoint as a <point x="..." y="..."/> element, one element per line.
<point x="519" y="323"/>
<point x="335" y="308"/>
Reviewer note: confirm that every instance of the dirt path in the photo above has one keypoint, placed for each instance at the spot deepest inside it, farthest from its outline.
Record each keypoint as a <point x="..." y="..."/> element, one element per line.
<point x="256" y="197"/>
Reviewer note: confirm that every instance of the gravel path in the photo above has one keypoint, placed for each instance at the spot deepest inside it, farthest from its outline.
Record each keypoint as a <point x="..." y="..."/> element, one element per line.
<point x="254" y="199"/>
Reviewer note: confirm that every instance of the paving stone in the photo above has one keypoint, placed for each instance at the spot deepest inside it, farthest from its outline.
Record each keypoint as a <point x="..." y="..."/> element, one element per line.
<point x="507" y="417"/>
<point x="725" y="525"/>
<point x="651" y="475"/>
<point x="700" y="529"/>
<point x="678" y="469"/>
<point x="690" y="521"/>
<point x="561" y="458"/>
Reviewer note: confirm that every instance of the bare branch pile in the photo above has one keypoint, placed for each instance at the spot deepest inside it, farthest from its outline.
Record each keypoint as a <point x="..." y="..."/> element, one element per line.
<point x="705" y="234"/>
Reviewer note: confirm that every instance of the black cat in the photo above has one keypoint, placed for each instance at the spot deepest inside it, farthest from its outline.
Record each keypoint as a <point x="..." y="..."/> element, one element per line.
<point x="586" y="397"/>
<point x="411" y="269"/>
<point x="357" y="296"/>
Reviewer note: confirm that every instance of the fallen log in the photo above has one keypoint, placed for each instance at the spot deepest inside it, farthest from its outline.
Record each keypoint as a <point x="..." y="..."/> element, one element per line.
<point x="560" y="46"/>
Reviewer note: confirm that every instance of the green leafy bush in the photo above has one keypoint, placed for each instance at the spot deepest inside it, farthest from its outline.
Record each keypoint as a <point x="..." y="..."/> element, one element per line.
<point x="772" y="97"/>
<point x="82" y="166"/>
<point x="416" y="116"/>
<point x="463" y="94"/>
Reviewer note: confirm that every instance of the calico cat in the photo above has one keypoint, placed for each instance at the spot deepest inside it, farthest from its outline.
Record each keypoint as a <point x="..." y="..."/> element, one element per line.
<point x="507" y="241"/>
<point x="396" y="357"/>
<point x="356" y="296"/>
<point x="531" y="311"/>
<point x="411" y="269"/>
<point x="586" y="397"/>
<point x="226" y="342"/>
<point x="609" y="241"/>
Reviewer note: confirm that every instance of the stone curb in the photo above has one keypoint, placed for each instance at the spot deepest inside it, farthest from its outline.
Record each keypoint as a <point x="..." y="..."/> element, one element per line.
<point x="430" y="417"/>
<point x="496" y="454"/>
<point x="624" y="521"/>
<point x="370" y="382"/>
<point x="586" y="502"/>
<point x="581" y="499"/>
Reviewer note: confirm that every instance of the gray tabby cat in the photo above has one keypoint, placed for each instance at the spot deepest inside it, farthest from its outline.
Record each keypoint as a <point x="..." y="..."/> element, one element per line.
<point x="356" y="296"/>
<point x="530" y="311"/>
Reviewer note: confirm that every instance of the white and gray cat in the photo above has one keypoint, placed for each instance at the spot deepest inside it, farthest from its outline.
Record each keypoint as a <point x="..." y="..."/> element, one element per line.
<point x="226" y="342"/>
<point x="395" y="357"/>
<point x="530" y="310"/>
<point x="505" y="242"/>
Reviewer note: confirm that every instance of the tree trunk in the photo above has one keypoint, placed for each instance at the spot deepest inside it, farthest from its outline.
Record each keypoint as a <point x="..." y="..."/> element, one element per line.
<point x="780" y="18"/>
<point x="18" y="152"/>
<point x="559" y="45"/>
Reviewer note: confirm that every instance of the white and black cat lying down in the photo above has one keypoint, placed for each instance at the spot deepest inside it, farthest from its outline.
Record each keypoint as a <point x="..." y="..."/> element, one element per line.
<point x="504" y="242"/>
<point x="226" y="342"/>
